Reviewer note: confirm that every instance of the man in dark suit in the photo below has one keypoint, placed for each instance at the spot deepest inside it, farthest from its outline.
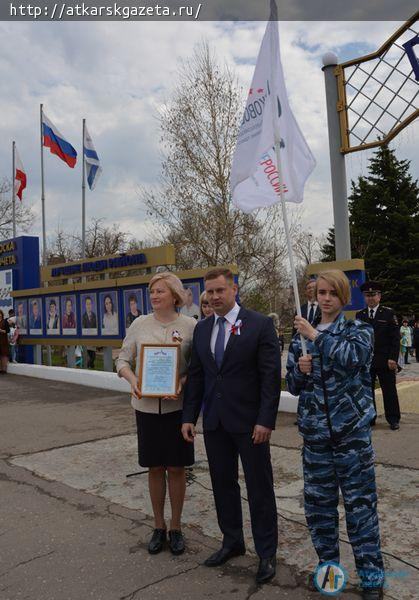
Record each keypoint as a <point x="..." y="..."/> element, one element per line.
<point x="89" y="319"/>
<point x="235" y="372"/>
<point x="35" y="321"/>
<point x="309" y="310"/>
<point x="386" y="349"/>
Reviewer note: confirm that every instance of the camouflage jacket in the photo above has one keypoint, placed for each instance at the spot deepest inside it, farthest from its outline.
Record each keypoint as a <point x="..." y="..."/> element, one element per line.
<point x="336" y="398"/>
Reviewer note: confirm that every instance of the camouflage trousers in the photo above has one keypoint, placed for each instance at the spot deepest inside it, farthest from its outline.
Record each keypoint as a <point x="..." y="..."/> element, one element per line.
<point x="349" y="465"/>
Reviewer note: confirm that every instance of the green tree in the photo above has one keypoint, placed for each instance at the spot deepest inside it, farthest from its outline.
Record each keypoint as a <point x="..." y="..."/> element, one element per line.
<point x="384" y="224"/>
<point x="328" y="248"/>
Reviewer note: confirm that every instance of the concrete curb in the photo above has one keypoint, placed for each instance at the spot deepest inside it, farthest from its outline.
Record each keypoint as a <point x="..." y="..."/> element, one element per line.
<point x="97" y="379"/>
<point x="408" y="393"/>
<point x="105" y="380"/>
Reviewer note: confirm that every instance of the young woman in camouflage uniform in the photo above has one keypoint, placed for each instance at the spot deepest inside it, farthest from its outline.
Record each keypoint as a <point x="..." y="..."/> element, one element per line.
<point x="334" y="413"/>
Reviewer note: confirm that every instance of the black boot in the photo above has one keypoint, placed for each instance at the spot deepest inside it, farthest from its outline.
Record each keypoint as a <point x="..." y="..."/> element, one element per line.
<point x="266" y="570"/>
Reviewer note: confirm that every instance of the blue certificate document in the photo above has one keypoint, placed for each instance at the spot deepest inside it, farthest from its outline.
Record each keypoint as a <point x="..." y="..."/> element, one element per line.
<point x="159" y="370"/>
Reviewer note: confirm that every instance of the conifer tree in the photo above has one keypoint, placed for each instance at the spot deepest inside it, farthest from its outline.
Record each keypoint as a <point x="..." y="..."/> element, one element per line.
<point x="384" y="225"/>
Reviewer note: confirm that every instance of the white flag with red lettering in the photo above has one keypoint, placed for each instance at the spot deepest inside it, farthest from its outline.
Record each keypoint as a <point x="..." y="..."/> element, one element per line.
<point x="20" y="176"/>
<point x="255" y="180"/>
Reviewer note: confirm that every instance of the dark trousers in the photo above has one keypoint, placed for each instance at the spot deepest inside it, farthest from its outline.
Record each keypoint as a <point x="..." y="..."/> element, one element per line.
<point x="223" y="451"/>
<point x="91" y="357"/>
<point x="417" y="353"/>
<point x="387" y="379"/>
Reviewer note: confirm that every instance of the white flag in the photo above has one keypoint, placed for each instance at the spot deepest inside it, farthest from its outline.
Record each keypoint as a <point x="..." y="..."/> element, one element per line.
<point x="93" y="168"/>
<point x="255" y="181"/>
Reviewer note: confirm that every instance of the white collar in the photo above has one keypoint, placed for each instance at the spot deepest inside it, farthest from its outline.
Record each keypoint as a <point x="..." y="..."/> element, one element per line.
<point x="374" y="309"/>
<point x="231" y="316"/>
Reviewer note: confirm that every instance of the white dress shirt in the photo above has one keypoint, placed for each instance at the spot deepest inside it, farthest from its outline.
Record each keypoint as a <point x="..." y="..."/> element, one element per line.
<point x="230" y="319"/>
<point x="374" y="309"/>
<point x="315" y="305"/>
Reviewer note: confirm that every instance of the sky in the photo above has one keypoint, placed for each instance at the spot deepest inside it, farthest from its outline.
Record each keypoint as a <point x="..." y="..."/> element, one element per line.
<point x="117" y="75"/>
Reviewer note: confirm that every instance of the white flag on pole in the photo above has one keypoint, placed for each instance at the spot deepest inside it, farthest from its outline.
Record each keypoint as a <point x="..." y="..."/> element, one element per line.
<point x="93" y="168"/>
<point x="255" y="181"/>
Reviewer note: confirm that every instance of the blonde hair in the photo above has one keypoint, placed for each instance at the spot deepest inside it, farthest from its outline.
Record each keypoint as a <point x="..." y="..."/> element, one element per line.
<point x="173" y="283"/>
<point x="202" y="297"/>
<point x="340" y="283"/>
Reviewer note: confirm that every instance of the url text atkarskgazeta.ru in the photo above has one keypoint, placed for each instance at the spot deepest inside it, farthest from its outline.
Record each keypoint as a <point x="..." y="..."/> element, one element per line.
<point x="61" y="10"/>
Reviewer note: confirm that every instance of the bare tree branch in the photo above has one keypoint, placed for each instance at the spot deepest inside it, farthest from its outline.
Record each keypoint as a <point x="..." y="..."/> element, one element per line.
<point x="24" y="214"/>
<point x="192" y="206"/>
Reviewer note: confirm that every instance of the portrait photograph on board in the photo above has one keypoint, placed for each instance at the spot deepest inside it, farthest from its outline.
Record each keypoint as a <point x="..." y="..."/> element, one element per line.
<point x="52" y="304"/>
<point x="35" y="316"/>
<point x="108" y="305"/>
<point x="68" y="314"/>
<point x="88" y="314"/>
<point x="21" y="312"/>
<point x="191" y="307"/>
<point x="133" y="305"/>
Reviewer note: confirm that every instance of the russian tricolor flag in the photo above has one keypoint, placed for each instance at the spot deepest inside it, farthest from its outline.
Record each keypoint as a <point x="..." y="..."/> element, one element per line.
<point x="55" y="141"/>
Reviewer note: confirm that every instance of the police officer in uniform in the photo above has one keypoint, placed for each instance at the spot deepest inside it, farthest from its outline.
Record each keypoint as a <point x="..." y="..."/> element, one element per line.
<point x="386" y="349"/>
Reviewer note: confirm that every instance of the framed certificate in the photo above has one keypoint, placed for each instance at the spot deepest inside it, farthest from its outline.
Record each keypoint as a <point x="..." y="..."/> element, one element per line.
<point x="159" y="370"/>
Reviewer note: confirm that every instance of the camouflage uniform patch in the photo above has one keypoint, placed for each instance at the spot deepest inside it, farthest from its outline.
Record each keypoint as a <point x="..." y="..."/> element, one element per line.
<point x="334" y="412"/>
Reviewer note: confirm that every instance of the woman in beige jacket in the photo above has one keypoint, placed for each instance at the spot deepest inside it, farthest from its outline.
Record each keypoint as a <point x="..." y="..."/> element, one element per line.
<point x="161" y="447"/>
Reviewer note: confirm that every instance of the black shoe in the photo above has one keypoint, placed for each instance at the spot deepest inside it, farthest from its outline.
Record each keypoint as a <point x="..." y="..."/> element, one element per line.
<point x="394" y="426"/>
<point x="223" y="555"/>
<point x="176" y="542"/>
<point x="372" y="593"/>
<point x="266" y="570"/>
<point x="157" y="541"/>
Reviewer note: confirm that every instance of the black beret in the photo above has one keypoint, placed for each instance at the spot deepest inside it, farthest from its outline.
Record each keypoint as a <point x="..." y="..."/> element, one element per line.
<point x="371" y="286"/>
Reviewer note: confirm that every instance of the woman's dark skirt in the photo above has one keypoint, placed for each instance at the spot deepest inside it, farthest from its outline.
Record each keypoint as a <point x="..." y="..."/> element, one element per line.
<point x="160" y="441"/>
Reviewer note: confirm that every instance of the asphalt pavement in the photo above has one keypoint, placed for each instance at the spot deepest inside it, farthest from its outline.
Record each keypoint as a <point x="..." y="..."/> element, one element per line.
<point x="75" y="514"/>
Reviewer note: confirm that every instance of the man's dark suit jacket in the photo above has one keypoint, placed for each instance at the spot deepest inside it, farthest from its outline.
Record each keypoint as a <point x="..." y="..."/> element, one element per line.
<point x="386" y="335"/>
<point x="304" y="314"/>
<point x="245" y="390"/>
<point x="89" y="323"/>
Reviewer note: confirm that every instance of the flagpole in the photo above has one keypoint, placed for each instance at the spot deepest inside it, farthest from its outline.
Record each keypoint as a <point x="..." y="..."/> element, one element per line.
<point x="44" y="235"/>
<point x="277" y="141"/>
<point x="289" y="245"/>
<point x="13" y="188"/>
<point x="83" y="196"/>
